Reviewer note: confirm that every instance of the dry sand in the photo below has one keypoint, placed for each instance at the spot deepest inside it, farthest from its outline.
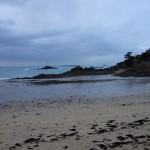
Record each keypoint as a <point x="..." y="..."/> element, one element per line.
<point x="121" y="123"/>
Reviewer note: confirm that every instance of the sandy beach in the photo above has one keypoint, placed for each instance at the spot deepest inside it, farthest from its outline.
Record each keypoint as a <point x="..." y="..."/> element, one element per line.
<point x="121" y="122"/>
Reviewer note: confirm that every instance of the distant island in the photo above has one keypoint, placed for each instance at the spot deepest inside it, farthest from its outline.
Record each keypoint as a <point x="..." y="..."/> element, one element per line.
<point x="135" y="66"/>
<point x="48" y="67"/>
<point x="68" y="65"/>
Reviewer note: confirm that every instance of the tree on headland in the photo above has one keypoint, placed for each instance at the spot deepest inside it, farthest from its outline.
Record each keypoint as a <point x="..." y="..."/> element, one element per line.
<point x="128" y="55"/>
<point x="129" y="59"/>
<point x="146" y="56"/>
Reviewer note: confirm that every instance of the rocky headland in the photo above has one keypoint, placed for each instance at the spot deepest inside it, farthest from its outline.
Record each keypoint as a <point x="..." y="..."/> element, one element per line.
<point x="136" y="66"/>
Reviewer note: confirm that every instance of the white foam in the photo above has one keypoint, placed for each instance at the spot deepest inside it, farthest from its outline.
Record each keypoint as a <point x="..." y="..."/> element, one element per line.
<point x="27" y="69"/>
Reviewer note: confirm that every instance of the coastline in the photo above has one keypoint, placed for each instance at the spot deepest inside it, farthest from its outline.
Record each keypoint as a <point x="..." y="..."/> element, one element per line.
<point x="121" y="122"/>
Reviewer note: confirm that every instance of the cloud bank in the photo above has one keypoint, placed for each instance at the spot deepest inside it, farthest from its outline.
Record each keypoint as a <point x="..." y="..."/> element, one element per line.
<point x="35" y="32"/>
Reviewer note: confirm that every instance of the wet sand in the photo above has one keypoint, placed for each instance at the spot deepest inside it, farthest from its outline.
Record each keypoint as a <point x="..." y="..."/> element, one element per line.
<point x="119" y="122"/>
<point x="89" y="87"/>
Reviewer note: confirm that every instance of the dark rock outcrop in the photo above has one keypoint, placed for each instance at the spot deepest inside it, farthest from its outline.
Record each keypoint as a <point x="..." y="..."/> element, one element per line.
<point x="77" y="68"/>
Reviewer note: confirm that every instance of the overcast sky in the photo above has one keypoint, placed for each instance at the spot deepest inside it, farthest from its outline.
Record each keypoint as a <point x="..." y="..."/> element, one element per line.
<point x="59" y="32"/>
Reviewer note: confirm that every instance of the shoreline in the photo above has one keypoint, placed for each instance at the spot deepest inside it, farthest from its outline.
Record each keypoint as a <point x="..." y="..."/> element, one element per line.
<point x="90" y="87"/>
<point x="121" y="122"/>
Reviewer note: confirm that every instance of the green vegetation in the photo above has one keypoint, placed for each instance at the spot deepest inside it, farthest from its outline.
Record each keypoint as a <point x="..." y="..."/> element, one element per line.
<point x="138" y="65"/>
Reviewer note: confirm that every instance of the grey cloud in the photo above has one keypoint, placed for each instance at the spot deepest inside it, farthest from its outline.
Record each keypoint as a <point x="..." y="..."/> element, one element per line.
<point x="77" y="46"/>
<point x="7" y="22"/>
<point x="91" y="32"/>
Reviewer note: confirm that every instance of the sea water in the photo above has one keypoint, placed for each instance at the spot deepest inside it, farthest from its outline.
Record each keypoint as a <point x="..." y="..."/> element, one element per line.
<point x="15" y="72"/>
